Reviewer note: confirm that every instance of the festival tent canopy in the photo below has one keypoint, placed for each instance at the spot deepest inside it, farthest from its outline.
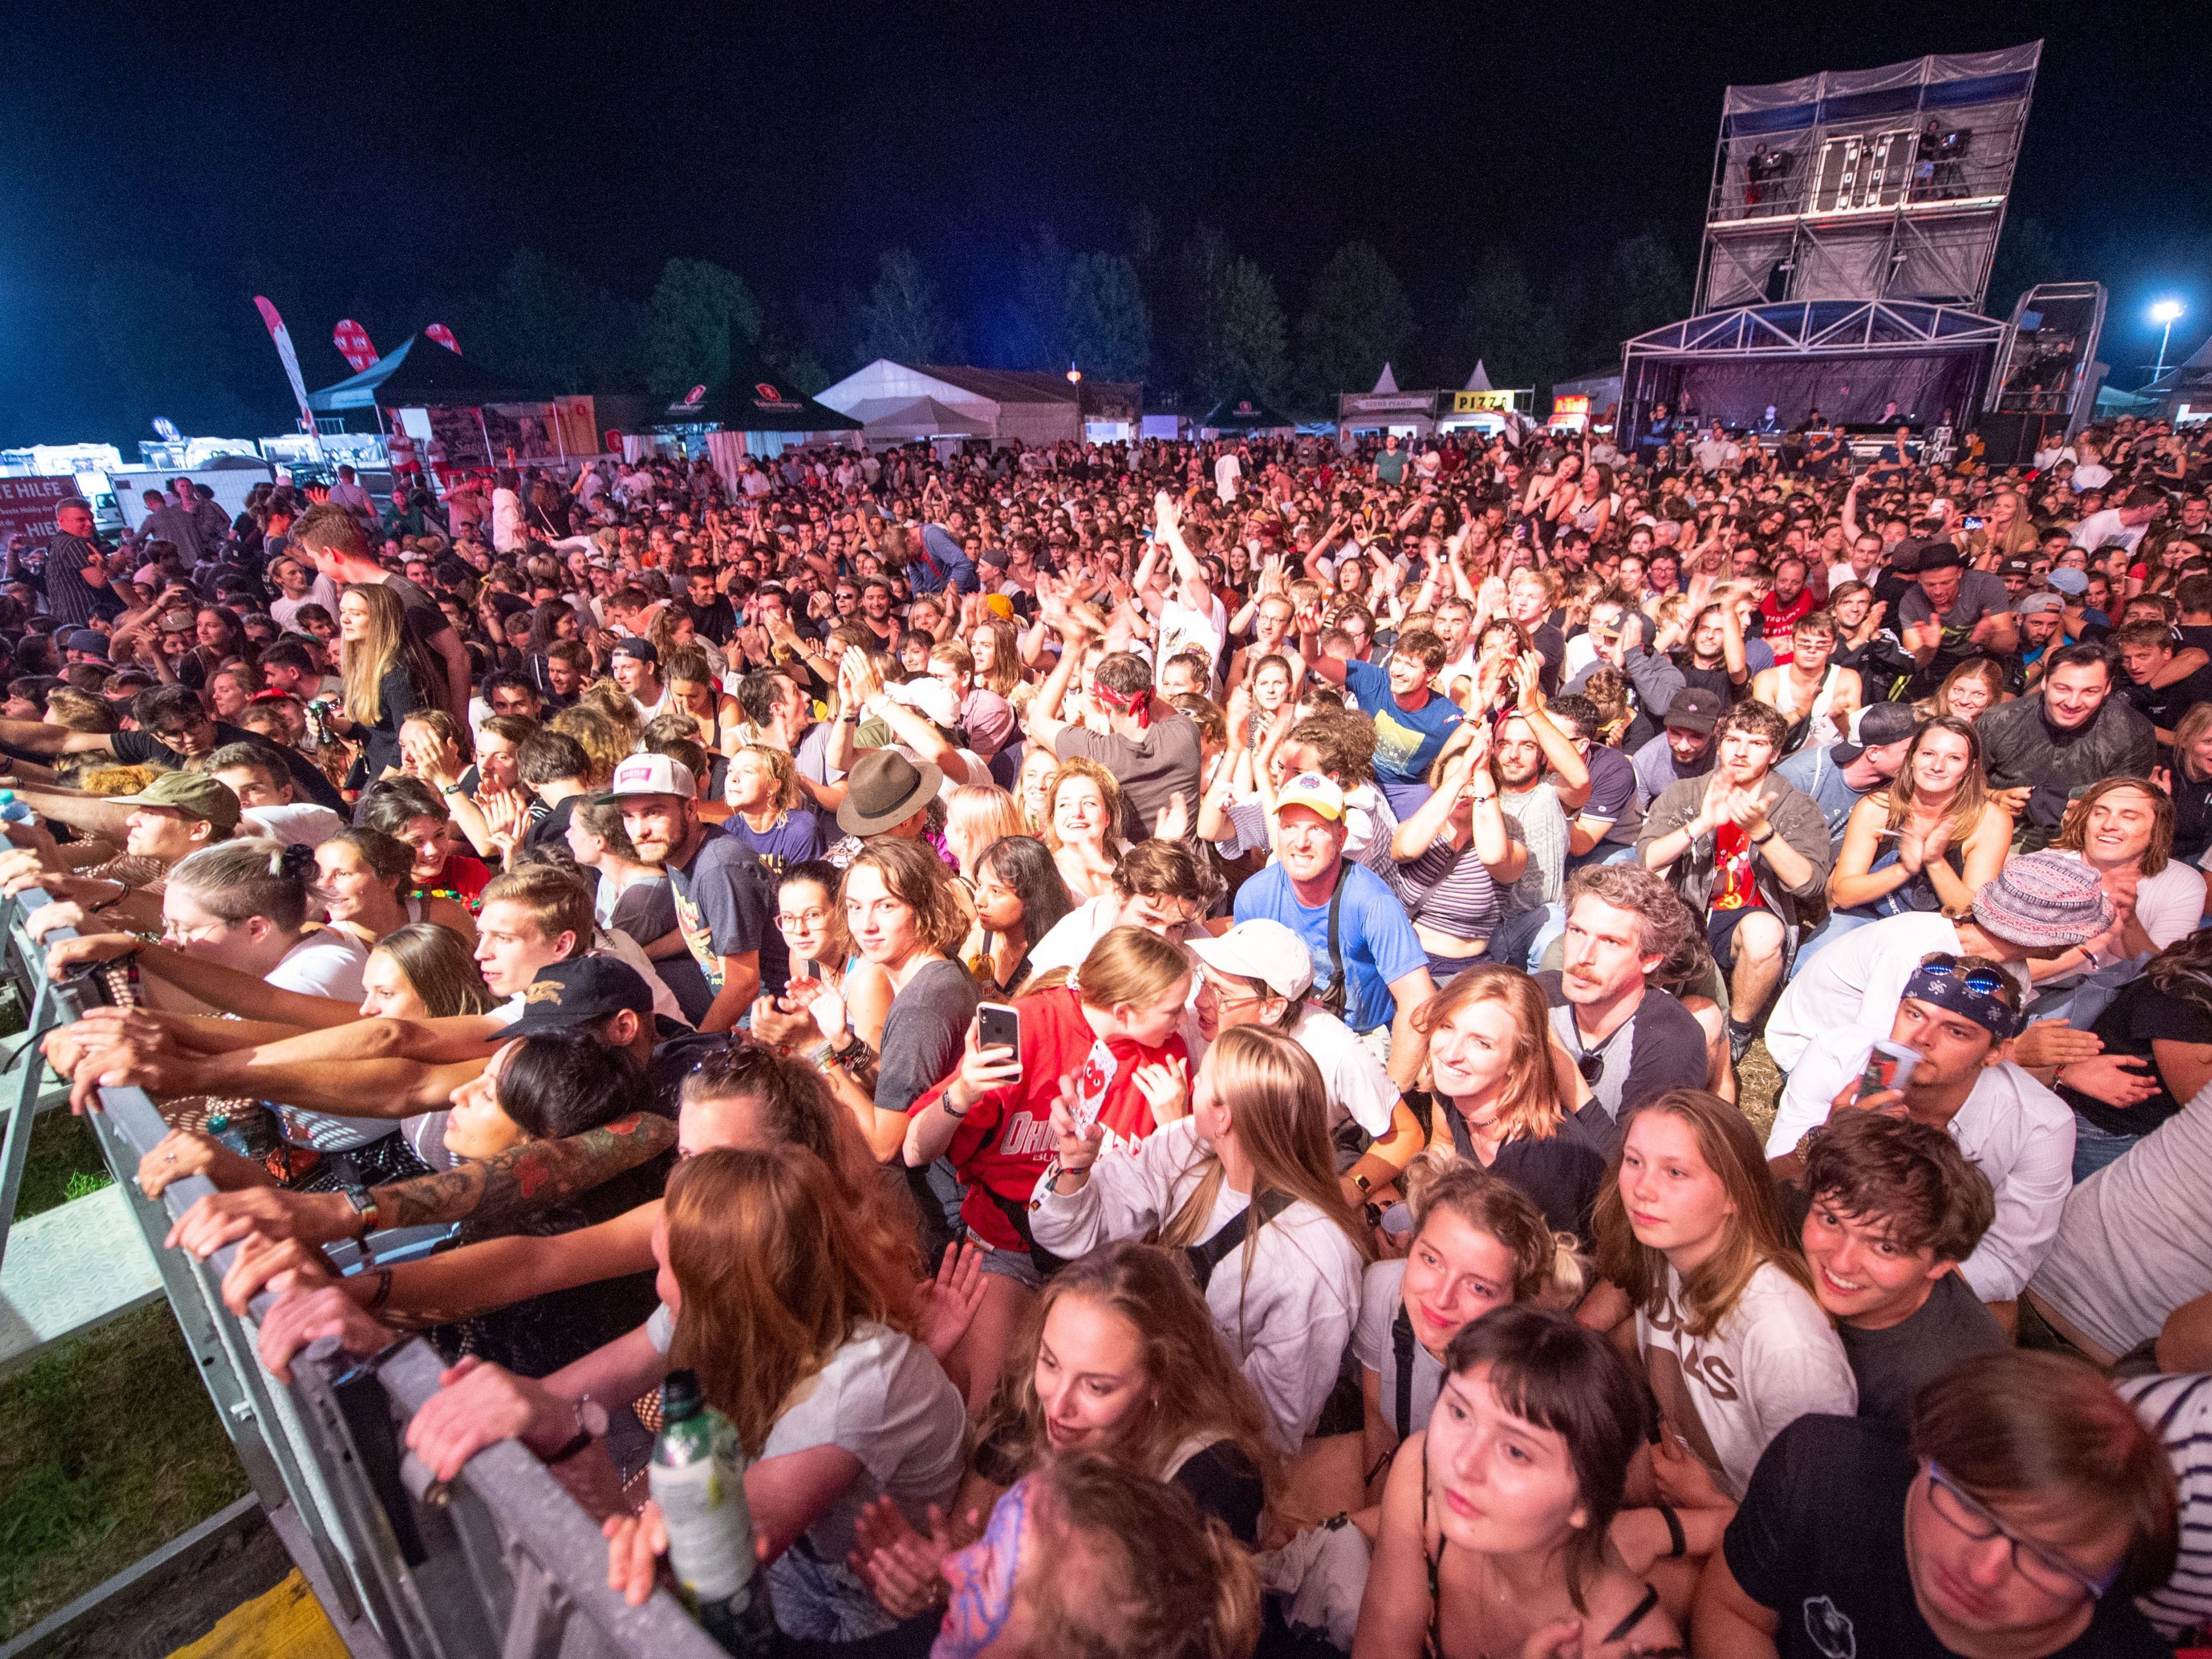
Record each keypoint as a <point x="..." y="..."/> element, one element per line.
<point x="750" y="398"/>
<point x="1246" y="414"/>
<point x="420" y="374"/>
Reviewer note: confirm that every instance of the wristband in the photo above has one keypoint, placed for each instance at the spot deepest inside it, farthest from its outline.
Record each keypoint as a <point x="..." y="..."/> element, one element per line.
<point x="1678" y="1541"/>
<point x="1761" y="840"/>
<point x="383" y="1292"/>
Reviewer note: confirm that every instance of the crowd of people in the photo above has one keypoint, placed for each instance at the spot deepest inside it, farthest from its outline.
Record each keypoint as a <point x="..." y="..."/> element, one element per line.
<point x="1485" y="1047"/>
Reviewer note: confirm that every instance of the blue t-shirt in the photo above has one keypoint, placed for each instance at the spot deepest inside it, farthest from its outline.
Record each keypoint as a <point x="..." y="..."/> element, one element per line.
<point x="1406" y="739"/>
<point x="725" y="907"/>
<point x="1372" y="935"/>
<point x="793" y="838"/>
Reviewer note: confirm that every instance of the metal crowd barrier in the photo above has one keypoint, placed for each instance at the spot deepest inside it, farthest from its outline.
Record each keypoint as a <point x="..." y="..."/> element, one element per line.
<point x="501" y="1561"/>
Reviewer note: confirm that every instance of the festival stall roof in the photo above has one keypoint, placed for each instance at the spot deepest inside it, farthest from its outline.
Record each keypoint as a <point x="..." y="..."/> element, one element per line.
<point x="1244" y="414"/>
<point x="1847" y="358"/>
<point x="2186" y="382"/>
<point x="750" y="397"/>
<point x="904" y="420"/>
<point x="1034" y="407"/>
<point x="420" y="374"/>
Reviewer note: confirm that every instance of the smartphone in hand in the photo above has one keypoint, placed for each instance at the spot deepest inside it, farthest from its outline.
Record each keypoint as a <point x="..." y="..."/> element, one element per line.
<point x="999" y="1026"/>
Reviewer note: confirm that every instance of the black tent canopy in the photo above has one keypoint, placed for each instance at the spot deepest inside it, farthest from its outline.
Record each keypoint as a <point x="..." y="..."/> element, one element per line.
<point x="420" y="374"/>
<point x="1244" y="414"/>
<point x="751" y="398"/>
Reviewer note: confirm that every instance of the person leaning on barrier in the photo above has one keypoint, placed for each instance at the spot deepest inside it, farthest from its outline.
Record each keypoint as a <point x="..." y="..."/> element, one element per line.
<point x="173" y="816"/>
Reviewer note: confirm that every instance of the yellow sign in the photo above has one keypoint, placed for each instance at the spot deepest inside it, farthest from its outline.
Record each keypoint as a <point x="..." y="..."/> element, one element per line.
<point x="1467" y="402"/>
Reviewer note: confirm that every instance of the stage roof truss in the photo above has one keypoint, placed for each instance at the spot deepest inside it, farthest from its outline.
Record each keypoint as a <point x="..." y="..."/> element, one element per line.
<point x="1820" y="328"/>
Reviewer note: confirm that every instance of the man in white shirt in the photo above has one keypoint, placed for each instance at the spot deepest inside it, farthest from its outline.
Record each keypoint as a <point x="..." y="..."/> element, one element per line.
<point x="1956" y="1013"/>
<point x="506" y="515"/>
<point x="1228" y="473"/>
<point x="2124" y="523"/>
<point x="2038" y="907"/>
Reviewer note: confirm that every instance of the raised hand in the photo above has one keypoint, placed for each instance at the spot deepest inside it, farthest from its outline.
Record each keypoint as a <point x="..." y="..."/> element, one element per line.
<point x="1166" y="1089"/>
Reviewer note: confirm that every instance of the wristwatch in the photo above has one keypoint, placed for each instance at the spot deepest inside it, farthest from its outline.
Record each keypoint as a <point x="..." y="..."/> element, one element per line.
<point x="591" y="1423"/>
<point x="364" y="1207"/>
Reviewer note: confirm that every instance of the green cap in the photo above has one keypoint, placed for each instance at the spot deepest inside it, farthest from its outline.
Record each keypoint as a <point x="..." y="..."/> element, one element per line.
<point x="193" y="793"/>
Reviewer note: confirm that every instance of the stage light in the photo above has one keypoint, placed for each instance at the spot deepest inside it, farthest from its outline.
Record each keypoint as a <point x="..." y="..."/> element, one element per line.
<point x="2165" y="311"/>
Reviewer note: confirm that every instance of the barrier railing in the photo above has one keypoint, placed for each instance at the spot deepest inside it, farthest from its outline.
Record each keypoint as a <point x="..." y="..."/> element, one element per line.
<point x="501" y="1561"/>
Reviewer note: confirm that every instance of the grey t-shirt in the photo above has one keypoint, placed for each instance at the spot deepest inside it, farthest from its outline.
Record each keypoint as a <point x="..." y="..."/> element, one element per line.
<point x="1890" y="1364"/>
<point x="928" y="1023"/>
<point x="1374" y="1344"/>
<point x="1165" y="763"/>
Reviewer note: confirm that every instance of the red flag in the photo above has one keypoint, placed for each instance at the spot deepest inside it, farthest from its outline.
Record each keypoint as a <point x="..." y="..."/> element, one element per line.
<point x="444" y="337"/>
<point x="353" y="343"/>
<point x="282" y="337"/>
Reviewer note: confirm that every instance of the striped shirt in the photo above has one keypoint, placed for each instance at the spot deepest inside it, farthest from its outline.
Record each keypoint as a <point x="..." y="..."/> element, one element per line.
<point x="2178" y="1410"/>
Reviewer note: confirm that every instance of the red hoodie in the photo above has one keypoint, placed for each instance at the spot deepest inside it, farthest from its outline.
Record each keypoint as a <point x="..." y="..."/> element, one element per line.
<point x="1006" y="1140"/>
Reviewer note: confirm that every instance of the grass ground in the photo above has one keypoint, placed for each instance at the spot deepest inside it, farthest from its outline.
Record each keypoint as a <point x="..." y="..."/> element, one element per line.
<point x="109" y="1445"/>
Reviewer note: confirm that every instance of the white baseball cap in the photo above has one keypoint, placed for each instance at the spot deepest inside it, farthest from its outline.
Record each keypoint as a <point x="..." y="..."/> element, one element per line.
<point x="1260" y="949"/>
<point x="653" y="775"/>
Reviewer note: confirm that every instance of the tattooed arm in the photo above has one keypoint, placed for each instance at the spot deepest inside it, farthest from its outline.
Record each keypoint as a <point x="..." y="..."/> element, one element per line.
<point x="493" y="1193"/>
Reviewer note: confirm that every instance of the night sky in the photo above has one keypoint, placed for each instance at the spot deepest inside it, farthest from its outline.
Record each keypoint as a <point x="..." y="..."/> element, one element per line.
<point x="364" y="158"/>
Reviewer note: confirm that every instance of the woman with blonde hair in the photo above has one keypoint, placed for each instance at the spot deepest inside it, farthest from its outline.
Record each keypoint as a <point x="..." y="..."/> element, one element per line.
<point x="2189" y="781"/>
<point x="1246" y="1185"/>
<point x="975" y="815"/>
<point x="1109" y="1053"/>
<point x="1690" y="1228"/>
<point x="387" y="676"/>
<point x="606" y="742"/>
<point x="1119" y="1360"/>
<point x="787" y="1319"/>
<point x="1929" y="841"/>
<point x="1501" y="1101"/>
<point x="1082" y="826"/>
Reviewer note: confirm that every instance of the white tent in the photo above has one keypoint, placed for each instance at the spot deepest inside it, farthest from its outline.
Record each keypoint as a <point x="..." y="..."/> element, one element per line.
<point x="1480" y="381"/>
<point x="902" y="419"/>
<point x="1387" y="384"/>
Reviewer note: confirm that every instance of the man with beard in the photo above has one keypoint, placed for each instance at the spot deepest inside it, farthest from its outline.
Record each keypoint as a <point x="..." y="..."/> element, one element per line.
<point x="1685" y="749"/>
<point x="1630" y="1041"/>
<point x="1743" y="848"/>
<point x="725" y="898"/>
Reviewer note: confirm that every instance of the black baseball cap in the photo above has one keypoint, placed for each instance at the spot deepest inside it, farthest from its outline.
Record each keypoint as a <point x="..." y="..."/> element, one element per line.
<point x="582" y="992"/>
<point x="1694" y="708"/>
<point x="1880" y="723"/>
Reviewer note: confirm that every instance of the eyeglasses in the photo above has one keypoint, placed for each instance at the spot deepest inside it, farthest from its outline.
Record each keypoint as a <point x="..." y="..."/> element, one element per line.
<point x="2030" y="1560"/>
<point x="813" y="918"/>
<point x="1984" y="981"/>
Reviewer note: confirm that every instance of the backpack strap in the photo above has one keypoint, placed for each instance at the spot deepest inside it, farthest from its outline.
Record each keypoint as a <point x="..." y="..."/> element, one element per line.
<point x="1205" y="1257"/>
<point x="1401" y="1352"/>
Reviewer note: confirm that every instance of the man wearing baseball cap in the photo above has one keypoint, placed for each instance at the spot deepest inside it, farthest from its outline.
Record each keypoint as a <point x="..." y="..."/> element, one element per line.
<point x="2038" y="908"/>
<point x="635" y="666"/>
<point x="1259" y="973"/>
<point x="1957" y="1014"/>
<point x="1685" y="747"/>
<point x="1842" y="775"/>
<point x="725" y="897"/>
<point x="1371" y="966"/>
<point x="2040" y="620"/>
<point x="174" y="816"/>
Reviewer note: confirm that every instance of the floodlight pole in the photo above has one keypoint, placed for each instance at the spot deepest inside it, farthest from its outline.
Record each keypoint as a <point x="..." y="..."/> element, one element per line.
<point x="2162" y="341"/>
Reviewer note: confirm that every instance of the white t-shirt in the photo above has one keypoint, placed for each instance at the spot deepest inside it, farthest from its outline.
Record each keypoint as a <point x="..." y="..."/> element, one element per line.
<point x="2104" y="529"/>
<point x="2016" y="1131"/>
<point x="302" y="823"/>
<point x="1857" y="981"/>
<point x="1774" y="1360"/>
<point x="1226" y="472"/>
<point x="326" y="964"/>
<point x="1184" y="629"/>
<point x="2132" y="1245"/>
<point x="2091" y="474"/>
<point x="1358" y="1086"/>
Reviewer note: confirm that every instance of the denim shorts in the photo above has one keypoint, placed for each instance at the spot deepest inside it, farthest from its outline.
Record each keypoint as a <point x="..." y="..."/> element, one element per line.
<point x="1017" y="1265"/>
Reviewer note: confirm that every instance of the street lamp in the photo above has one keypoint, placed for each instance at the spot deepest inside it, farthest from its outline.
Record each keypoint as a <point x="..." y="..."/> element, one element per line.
<point x="2165" y="311"/>
<point x="1075" y="379"/>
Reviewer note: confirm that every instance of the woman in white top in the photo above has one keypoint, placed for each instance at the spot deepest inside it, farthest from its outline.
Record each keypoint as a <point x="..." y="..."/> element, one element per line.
<point x="1246" y="1183"/>
<point x="2123" y="829"/>
<point x="1735" y="1346"/>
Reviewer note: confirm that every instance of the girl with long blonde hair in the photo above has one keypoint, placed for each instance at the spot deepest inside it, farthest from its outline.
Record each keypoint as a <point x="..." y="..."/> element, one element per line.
<point x="387" y="674"/>
<point x="1246" y="1185"/>
<point x="1500" y="1101"/>
<point x="1690" y="1228"/>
